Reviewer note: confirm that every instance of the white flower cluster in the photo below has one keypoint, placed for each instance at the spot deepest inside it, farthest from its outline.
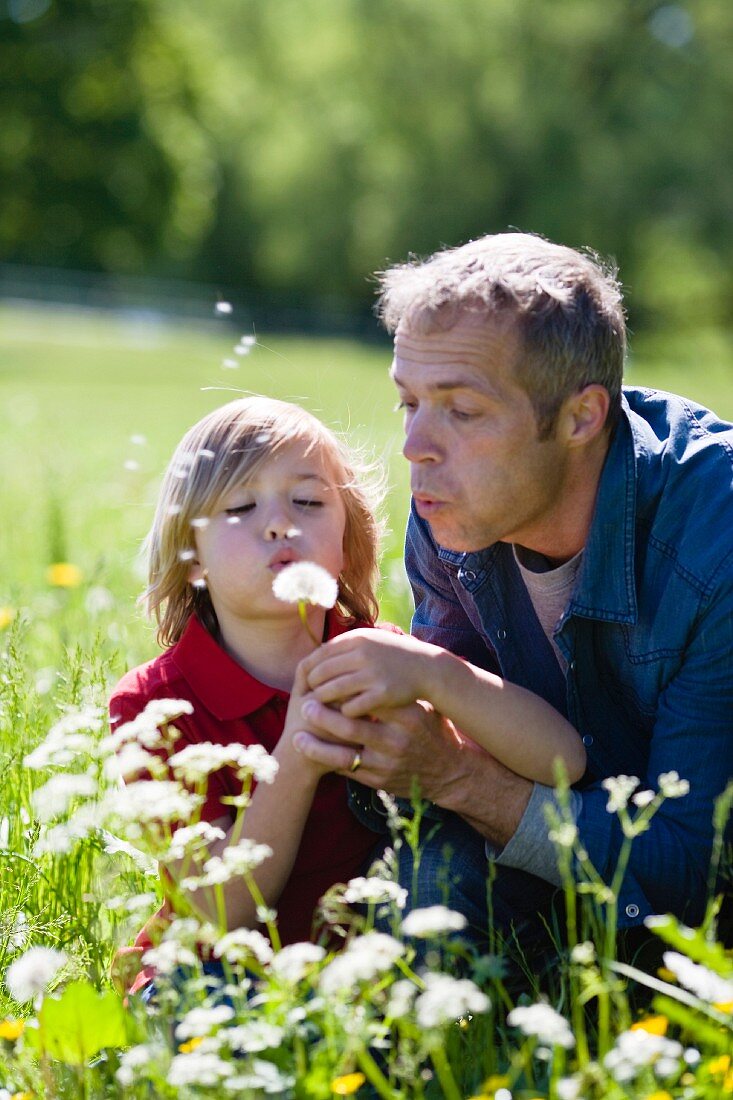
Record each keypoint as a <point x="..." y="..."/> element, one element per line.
<point x="137" y="1059"/>
<point x="620" y="788"/>
<point x="149" y="801"/>
<point x="144" y="729"/>
<point x="671" y="786"/>
<point x="704" y="983"/>
<point x="373" y="890"/>
<point x="434" y="920"/>
<point x="235" y="861"/>
<point x="191" y="840"/>
<point x="254" y="1036"/>
<point x="305" y="582"/>
<point x="54" y="797"/>
<point x="70" y="737"/>
<point x="364" y="958"/>
<point x="544" y="1023"/>
<point x="195" y="762"/>
<point x="638" y="1050"/>
<point x="242" y="944"/>
<point x="200" y="1021"/>
<point x="293" y="961"/>
<point x="33" y="972"/>
<point x="198" y="1068"/>
<point x="263" y="1077"/>
<point x="445" y="999"/>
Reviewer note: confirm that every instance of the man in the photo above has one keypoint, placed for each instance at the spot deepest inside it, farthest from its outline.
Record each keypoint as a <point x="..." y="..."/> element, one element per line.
<point x="571" y="536"/>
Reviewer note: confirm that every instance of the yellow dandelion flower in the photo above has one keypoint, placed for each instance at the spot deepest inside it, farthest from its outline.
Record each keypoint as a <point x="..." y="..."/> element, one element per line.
<point x="481" y="1096"/>
<point x="660" y="1094"/>
<point x="348" y="1084"/>
<point x="64" y="574"/>
<point x="494" y="1082"/>
<point x="655" y="1025"/>
<point x="7" y="614"/>
<point x="718" y="1066"/>
<point x="21" y="1096"/>
<point x="666" y="975"/>
<point x="11" y="1029"/>
<point x="722" y="1006"/>
<point x="190" y="1046"/>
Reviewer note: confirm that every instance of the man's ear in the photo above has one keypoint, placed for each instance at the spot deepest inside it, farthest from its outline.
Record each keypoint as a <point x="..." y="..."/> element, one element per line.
<point x="584" y="414"/>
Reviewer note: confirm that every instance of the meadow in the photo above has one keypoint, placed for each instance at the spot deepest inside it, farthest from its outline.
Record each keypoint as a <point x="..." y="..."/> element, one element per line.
<point x="92" y="405"/>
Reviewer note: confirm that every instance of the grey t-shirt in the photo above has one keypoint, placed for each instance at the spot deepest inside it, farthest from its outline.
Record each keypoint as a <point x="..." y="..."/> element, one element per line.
<point x="531" y="849"/>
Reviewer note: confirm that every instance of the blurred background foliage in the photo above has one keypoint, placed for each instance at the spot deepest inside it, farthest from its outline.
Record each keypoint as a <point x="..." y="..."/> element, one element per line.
<point x="290" y="147"/>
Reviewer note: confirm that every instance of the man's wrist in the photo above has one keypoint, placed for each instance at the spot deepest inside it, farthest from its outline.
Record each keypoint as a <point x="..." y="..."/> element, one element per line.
<point x="489" y="797"/>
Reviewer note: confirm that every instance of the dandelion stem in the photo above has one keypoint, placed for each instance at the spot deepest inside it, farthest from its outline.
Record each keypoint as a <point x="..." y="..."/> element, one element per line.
<point x="303" y="612"/>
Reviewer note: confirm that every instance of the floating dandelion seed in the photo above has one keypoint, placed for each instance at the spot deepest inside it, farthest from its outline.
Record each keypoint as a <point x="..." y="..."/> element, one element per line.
<point x="245" y="345"/>
<point x="138" y="440"/>
<point x="229" y="364"/>
<point x="186" y="555"/>
<point x="200" y="521"/>
<point x="223" y="308"/>
<point x="174" y="509"/>
<point x="131" y="464"/>
<point x="233" y="519"/>
<point x="204" y="452"/>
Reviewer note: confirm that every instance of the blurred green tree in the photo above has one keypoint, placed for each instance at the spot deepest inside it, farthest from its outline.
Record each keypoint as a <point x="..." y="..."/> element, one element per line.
<point x="104" y="162"/>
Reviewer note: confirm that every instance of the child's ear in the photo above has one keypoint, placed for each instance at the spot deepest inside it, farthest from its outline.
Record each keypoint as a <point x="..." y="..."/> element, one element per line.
<point x="196" y="573"/>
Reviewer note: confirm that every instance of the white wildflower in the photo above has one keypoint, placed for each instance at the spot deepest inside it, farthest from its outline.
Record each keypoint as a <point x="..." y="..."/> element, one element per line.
<point x="191" y="840"/>
<point x="620" y="788"/>
<point x="162" y="711"/>
<point x="235" y="861"/>
<point x="305" y="582"/>
<point x="432" y="921"/>
<point x="564" y="835"/>
<point x="584" y="954"/>
<point x="168" y="956"/>
<point x="637" y="1050"/>
<point x="135" y="1059"/>
<point x="200" y="1021"/>
<point x="671" y="786"/>
<point x="292" y="962"/>
<point x="19" y="931"/>
<point x="362" y="890"/>
<point x="33" y="972"/>
<point x="241" y="944"/>
<point x="150" y="801"/>
<point x="195" y="762"/>
<point x="262" y="1077"/>
<point x="445" y="999"/>
<point x="53" y="798"/>
<point x="568" y="1088"/>
<point x="642" y="799"/>
<point x="207" y="1070"/>
<point x="60" y="839"/>
<point x="67" y="739"/>
<point x="543" y="1022"/>
<point x="131" y="761"/>
<point x="704" y="983"/>
<point x="401" y="997"/>
<point x="254" y="1036"/>
<point x="364" y="958"/>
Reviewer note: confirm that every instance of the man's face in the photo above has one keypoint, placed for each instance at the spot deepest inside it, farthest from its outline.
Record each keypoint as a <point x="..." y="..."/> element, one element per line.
<point x="479" y="474"/>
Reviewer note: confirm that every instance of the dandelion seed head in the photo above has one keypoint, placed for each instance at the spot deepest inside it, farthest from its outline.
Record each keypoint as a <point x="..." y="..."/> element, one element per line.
<point x="305" y="582"/>
<point x="33" y="972"/>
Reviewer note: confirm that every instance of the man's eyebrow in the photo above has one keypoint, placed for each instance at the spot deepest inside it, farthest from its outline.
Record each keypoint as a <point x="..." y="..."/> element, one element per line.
<point x="457" y="383"/>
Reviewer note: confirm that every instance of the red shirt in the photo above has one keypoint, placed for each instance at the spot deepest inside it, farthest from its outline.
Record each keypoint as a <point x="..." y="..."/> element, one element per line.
<point x="230" y="706"/>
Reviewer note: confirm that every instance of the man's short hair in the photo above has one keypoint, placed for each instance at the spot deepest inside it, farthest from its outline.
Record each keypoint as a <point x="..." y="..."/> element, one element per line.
<point x="567" y="305"/>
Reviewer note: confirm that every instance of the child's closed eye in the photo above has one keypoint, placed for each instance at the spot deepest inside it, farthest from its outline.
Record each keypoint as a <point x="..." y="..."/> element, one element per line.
<point x="309" y="503"/>
<point x="239" y="509"/>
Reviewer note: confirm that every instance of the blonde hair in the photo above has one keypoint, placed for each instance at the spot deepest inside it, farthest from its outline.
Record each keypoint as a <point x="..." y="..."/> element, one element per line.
<point x="218" y="454"/>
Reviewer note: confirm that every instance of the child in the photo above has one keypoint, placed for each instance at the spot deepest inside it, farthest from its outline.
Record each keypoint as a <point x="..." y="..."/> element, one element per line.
<point x="253" y="487"/>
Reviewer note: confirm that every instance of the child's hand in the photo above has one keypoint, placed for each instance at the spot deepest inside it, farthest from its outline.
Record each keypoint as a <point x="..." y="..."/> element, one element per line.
<point x="294" y="721"/>
<point x="366" y="669"/>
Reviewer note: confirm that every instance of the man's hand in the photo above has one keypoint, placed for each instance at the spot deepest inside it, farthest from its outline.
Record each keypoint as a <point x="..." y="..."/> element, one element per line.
<point x="415" y="742"/>
<point x="366" y="670"/>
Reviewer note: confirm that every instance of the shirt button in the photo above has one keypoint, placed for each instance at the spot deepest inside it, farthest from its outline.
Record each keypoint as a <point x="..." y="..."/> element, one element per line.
<point x="571" y="666"/>
<point x="587" y="740"/>
<point x="632" y="910"/>
<point x="501" y="634"/>
<point x="468" y="574"/>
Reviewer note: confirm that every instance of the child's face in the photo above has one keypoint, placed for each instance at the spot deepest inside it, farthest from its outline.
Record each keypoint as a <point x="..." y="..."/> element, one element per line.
<point x="290" y="510"/>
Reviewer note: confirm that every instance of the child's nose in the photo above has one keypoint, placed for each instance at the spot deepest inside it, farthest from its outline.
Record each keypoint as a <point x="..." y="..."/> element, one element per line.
<point x="279" y="525"/>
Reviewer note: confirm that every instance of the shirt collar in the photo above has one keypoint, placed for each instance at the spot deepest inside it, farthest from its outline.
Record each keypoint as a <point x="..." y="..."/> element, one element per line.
<point x="226" y="689"/>
<point x="607" y="584"/>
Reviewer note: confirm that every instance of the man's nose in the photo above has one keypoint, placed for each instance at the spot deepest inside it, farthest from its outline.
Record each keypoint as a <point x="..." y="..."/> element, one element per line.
<point x="420" y="439"/>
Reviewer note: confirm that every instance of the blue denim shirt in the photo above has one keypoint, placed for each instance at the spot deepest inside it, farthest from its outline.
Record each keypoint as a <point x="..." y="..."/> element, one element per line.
<point x="648" y="636"/>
